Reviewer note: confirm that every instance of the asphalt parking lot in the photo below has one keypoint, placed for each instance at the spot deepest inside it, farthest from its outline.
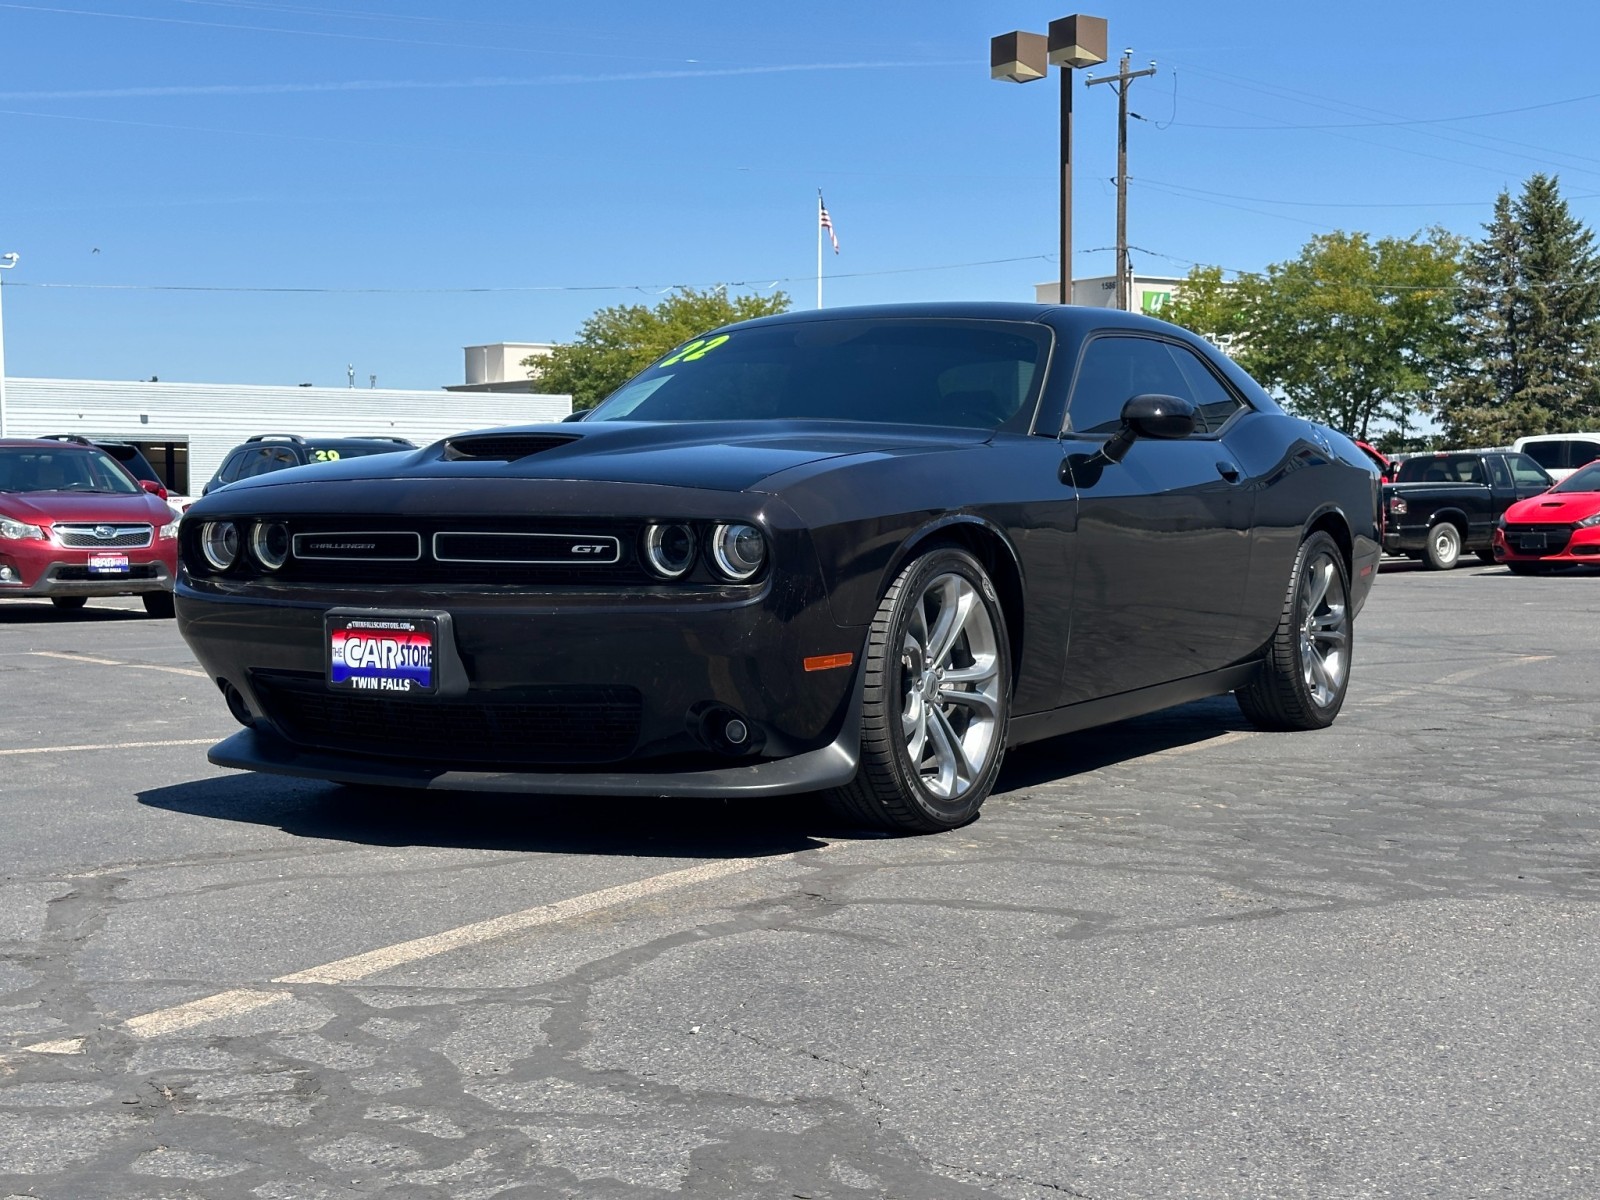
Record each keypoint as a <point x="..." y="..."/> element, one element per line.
<point x="1174" y="958"/>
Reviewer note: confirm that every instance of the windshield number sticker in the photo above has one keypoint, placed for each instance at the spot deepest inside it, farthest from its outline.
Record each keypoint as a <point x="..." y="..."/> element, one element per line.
<point x="696" y="349"/>
<point x="324" y="456"/>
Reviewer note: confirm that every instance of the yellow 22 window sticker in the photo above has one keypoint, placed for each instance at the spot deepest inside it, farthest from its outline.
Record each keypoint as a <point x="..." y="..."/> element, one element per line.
<point x="696" y="349"/>
<point x="324" y="456"/>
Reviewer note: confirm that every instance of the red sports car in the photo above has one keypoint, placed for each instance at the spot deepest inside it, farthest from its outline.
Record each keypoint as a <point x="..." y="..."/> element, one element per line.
<point x="75" y="524"/>
<point x="1555" y="528"/>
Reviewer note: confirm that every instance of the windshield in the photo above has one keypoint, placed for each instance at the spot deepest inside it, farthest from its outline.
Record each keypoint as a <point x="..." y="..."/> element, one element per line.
<point x="24" y="469"/>
<point x="913" y="371"/>
<point x="1585" y="480"/>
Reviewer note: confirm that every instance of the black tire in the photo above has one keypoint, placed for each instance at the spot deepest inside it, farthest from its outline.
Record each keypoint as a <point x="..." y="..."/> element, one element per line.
<point x="1305" y="672"/>
<point x="1487" y="558"/>
<point x="931" y="746"/>
<point x="69" y="603"/>
<point x="1522" y="568"/>
<point x="1443" y="549"/>
<point x="159" y="604"/>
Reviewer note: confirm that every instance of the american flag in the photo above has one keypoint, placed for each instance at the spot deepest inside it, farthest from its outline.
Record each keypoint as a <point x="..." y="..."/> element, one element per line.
<point x="827" y="222"/>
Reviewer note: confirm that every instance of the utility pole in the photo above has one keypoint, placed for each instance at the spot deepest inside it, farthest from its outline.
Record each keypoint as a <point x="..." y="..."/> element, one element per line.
<point x="1122" y="81"/>
<point x="7" y="261"/>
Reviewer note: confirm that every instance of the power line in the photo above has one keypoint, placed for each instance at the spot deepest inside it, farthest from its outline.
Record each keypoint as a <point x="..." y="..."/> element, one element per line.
<point x="758" y="282"/>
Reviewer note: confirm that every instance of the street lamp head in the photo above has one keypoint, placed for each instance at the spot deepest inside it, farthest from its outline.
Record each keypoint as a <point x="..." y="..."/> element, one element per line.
<point x="9" y="260"/>
<point x="1077" y="41"/>
<point x="1019" y="57"/>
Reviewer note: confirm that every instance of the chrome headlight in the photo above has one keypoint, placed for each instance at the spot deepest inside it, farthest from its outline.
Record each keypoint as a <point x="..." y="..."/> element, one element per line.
<point x="17" y="531"/>
<point x="269" y="542"/>
<point x="669" y="549"/>
<point x="1589" y="522"/>
<point x="170" y="529"/>
<point x="219" y="542"/>
<point x="738" y="550"/>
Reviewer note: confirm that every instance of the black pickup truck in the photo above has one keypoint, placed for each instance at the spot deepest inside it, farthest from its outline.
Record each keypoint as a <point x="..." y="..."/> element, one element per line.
<point x="1442" y="505"/>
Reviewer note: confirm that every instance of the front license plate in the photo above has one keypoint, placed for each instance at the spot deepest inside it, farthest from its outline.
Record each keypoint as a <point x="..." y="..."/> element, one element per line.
<point x="108" y="564"/>
<point x="1531" y="541"/>
<point x="384" y="655"/>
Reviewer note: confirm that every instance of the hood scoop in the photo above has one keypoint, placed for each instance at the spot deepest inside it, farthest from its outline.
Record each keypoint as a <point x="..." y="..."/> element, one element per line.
<point x="501" y="447"/>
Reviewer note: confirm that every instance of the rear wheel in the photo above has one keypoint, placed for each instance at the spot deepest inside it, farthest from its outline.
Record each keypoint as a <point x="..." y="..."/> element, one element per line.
<point x="159" y="604"/>
<point x="1306" y="672"/>
<point x="1443" y="550"/>
<point x="69" y="603"/>
<point x="935" y="701"/>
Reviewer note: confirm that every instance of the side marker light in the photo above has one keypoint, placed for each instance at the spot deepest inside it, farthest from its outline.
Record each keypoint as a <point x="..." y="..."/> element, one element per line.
<point x="827" y="662"/>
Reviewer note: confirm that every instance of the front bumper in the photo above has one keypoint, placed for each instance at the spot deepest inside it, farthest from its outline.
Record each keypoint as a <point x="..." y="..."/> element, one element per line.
<point x="561" y="690"/>
<point x="73" y="579"/>
<point x="1578" y="545"/>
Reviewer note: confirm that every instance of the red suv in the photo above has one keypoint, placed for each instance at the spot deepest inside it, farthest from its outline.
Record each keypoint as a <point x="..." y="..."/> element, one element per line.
<point x="75" y="524"/>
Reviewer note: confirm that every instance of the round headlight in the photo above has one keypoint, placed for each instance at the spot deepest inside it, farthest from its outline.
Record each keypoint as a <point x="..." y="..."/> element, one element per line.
<point x="739" y="550"/>
<point x="269" y="542"/>
<point x="219" y="542"/>
<point x="669" y="549"/>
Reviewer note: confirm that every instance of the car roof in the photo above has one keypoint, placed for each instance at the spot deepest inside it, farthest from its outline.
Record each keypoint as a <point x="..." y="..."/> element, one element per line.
<point x="48" y="444"/>
<point x="1064" y="317"/>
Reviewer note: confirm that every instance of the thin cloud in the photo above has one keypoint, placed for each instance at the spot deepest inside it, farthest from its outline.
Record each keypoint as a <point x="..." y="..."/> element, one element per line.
<point x="397" y="85"/>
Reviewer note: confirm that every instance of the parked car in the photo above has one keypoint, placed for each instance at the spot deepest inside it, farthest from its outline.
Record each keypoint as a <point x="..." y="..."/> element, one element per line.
<point x="134" y="462"/>
<point x="74" y="524"/>
<point x="1560" y="453"/>
<point x="268" y="452"/>
<point x="856" y="550"/>
<point x="1443" y="505"/>
<point x="1560" y="528"/>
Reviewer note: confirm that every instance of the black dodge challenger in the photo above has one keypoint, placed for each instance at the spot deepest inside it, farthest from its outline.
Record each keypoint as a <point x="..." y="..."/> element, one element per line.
<point x="859" y="551"/>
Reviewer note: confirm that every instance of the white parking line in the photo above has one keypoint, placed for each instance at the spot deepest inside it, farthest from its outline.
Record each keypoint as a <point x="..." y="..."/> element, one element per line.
<point x="1407" y="693"/>
<point x="110" y="746"/>
<point x="112" y="662"/>
<point x="235" y="1001"/>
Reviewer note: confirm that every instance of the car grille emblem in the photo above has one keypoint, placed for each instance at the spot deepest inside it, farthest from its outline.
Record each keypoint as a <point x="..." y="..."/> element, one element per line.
<point x="105" y="532"/>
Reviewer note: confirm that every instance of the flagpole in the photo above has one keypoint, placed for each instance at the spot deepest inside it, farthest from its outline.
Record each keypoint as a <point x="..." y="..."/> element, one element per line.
<point x="819" y="249"/>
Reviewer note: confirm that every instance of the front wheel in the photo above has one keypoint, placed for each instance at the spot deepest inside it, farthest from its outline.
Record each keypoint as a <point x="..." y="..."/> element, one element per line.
<point x="936" y="696"/>
<point x="159" y="604"/>
<point x="69" y="603"/>
<point x="1306" y="671"/>
<point x="1443" y="550"/>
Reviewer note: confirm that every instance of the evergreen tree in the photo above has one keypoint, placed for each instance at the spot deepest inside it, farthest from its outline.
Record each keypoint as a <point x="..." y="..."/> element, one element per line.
<point x="1528" y="318"/>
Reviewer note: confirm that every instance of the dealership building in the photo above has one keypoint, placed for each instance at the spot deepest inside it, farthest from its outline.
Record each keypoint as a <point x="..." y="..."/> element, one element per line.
<point x="186" y="429"/>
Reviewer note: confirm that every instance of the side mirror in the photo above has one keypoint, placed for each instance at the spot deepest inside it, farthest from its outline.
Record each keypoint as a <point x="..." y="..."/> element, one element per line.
<point x="1164" y="417"/>
<point x="154" y="488"/>
<point x="576" y="416"/>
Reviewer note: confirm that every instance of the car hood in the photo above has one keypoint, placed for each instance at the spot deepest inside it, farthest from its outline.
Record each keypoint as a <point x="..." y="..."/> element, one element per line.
<point x="49" y="508"/>
<point x="1554" y="508"/>
<point x="716" y="455"/>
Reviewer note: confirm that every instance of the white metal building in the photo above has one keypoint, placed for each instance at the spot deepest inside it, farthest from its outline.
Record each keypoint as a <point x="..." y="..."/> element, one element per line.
<point x="1148" y="294"/>
<point x="185" y="429"/>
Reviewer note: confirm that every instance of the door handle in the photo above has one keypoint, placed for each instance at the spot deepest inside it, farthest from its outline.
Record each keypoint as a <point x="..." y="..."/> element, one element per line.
<point x="1227" y="470"/>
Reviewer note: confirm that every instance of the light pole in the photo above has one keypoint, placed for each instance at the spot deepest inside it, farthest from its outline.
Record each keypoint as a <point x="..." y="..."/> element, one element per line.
<point x="1075" y="41"/>
<point x="7" y="261"/>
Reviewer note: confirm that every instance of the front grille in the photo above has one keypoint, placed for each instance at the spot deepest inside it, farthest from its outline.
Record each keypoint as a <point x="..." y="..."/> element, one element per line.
<point x="1556" y="537"/>
<point x="524" y="726"/>
<point x="118" y="537"/>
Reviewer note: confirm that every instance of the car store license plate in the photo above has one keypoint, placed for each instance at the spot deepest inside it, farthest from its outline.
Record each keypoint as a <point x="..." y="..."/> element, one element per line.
<point x="108" y="564"/>
<point x="384" y="655"/>
<point x="1531" y="541"/>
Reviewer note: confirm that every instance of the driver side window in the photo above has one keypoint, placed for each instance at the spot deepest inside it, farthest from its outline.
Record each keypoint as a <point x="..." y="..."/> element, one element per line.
<point x="1116" y="368"/>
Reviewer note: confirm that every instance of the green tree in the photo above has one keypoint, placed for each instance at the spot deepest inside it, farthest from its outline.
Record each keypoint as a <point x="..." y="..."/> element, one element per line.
<point x="1528" y="316"/>
<point x="1353" y="333"/>
<point x="616" y="343"/>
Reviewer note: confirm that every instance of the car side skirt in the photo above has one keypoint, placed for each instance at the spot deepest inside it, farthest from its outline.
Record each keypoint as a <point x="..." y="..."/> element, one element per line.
<point x="1036" y="727"/>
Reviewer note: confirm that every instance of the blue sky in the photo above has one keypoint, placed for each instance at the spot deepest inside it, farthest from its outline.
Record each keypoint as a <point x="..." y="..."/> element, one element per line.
<point x="422" y="176"/>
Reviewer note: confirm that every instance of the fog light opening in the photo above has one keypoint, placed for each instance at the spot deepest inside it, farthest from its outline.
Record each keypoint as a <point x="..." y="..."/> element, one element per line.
<point x="721" y="729"/>
<point x="7" y="575"/>
<point x="236" y="704"/>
